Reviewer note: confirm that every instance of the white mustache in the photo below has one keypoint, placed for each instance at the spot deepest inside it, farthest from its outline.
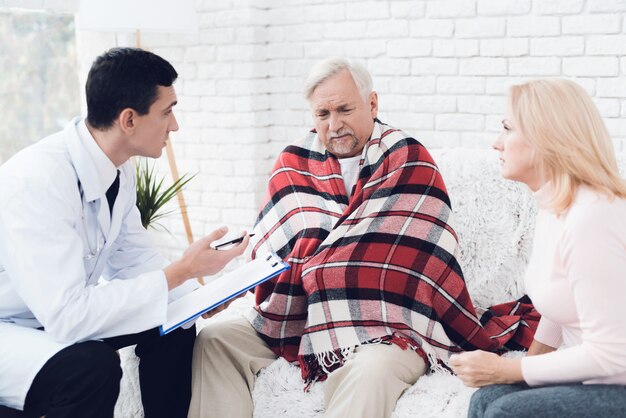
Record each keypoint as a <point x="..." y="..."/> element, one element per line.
<point x="340" y="133"/>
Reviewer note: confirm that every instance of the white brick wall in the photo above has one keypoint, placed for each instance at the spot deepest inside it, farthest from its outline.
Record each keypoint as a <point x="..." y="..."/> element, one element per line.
<point x="441" y="68"/>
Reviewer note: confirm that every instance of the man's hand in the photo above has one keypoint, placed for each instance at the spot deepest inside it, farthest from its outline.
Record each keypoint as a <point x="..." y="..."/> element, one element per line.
<point x="222" y="307"/>
<point x="200" y="259"/>
<point x="481" y="368"/>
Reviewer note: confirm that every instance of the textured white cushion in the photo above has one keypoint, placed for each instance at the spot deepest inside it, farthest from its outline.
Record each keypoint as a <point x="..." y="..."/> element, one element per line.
<point x="494" y="220"/>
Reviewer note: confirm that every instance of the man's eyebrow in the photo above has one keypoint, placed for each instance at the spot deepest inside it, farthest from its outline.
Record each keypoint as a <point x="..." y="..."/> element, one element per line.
<point x="174" y="103"/>
<point x="326" y="107"/>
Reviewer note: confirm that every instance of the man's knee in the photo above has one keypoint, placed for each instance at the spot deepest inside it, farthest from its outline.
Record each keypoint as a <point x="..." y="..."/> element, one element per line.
<point x="234" y="331"/>
<point x="96" y="361"/>
<point x="80" y="374"/>
<point x="381" y="361"/>
<point x="361" y="368"/>
<point x="211" y="334"/>
<point x="216" y="338"/>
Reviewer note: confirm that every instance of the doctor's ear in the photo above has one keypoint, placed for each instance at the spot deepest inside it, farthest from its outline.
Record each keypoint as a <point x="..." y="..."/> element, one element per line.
<point x="127" y="120"/>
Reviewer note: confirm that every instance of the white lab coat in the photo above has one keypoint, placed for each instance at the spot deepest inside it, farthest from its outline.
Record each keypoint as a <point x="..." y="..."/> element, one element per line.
<point x="56" y="240"/>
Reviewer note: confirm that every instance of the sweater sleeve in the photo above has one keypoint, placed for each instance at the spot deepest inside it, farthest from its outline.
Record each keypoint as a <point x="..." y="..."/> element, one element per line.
<point x="549" y="333"/>
<point x="593" y="254"/>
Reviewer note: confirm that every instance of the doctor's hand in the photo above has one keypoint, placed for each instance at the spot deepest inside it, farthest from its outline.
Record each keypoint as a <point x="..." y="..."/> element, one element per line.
<point x="200" y="259"/>
<point x="481" y="368"/>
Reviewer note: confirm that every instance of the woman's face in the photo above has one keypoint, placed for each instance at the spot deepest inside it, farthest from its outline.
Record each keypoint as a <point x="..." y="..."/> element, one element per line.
<point x="517" y="154"/>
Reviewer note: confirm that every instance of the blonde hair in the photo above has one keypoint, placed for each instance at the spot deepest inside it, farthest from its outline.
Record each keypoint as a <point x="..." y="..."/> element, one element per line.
<point x="571" y="142"/>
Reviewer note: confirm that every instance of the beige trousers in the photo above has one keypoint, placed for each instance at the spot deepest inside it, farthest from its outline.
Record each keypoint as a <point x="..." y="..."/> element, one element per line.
<point x="228" y="355"/>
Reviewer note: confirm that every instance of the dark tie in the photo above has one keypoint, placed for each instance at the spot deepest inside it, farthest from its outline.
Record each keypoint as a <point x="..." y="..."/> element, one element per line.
<point x="112" y="192"/>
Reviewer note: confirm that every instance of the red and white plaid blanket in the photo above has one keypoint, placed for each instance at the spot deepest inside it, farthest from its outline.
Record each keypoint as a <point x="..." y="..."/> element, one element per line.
<point x="379" y="267"/>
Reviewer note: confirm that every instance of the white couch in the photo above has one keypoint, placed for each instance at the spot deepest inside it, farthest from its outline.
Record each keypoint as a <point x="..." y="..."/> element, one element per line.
<point x="494" y="220"/>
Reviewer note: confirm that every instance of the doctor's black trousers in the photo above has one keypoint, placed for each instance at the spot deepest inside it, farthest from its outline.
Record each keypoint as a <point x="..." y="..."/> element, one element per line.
<point x="83" y="380"/>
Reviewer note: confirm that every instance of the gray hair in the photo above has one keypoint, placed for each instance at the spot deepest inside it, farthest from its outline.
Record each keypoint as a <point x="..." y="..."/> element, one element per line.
<point x="323" y="70"/>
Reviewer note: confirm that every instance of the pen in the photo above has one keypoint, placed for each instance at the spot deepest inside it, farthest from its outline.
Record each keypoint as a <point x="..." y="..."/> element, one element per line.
<point x="232" y="241"/>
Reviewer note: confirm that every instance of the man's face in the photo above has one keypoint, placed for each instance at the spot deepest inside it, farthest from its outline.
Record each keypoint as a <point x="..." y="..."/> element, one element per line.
<point x="343" y="119"/>
<point x="152" y="129"/>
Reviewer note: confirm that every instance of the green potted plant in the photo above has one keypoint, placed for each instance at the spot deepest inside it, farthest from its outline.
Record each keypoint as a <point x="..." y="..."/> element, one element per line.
<point x="152" y="195"/>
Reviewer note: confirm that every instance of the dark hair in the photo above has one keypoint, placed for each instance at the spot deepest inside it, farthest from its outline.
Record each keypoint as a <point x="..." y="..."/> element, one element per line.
<point x="124" y="78"/>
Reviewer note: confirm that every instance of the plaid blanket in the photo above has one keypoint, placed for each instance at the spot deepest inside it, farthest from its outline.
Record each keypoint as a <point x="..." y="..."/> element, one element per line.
<point x="379" y="267"/>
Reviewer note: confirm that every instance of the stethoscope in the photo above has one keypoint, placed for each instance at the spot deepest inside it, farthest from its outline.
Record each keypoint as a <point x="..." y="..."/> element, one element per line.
<point x="93" y="253"/>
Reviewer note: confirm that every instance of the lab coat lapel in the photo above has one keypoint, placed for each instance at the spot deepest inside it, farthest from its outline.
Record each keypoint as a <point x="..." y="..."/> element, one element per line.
<point x="90" y="163"/>
<point x="83" y="164"/>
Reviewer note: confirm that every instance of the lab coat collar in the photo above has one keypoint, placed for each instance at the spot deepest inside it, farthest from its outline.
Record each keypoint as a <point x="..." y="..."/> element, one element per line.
<point x="96" y="172"/>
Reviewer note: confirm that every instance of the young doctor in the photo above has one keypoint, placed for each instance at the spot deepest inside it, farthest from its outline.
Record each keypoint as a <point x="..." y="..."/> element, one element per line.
<point x="68" y="216"/>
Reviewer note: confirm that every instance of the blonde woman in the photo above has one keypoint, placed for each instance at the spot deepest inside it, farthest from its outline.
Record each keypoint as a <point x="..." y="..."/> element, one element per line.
<point x="554" y="141"/>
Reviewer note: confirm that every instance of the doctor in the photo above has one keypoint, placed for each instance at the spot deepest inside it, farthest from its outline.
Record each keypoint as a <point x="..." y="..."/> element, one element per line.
<point x="68" y="216"/>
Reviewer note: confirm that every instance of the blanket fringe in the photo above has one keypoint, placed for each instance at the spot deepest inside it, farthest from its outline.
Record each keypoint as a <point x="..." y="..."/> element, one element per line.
<point x="316" y="367"/>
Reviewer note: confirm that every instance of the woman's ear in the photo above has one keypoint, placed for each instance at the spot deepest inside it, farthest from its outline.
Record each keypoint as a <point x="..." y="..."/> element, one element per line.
<point x="127" y="120"/>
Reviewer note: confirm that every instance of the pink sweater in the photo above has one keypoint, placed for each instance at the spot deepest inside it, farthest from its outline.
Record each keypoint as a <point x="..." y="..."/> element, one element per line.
<point x="577" y="280"/>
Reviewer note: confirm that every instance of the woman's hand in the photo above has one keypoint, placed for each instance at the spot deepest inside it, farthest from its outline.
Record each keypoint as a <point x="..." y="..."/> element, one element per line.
<point x="481" y="368"/>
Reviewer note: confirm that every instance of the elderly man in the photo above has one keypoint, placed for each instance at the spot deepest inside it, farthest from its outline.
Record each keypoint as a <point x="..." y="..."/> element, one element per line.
<point x="375" y="296"/>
